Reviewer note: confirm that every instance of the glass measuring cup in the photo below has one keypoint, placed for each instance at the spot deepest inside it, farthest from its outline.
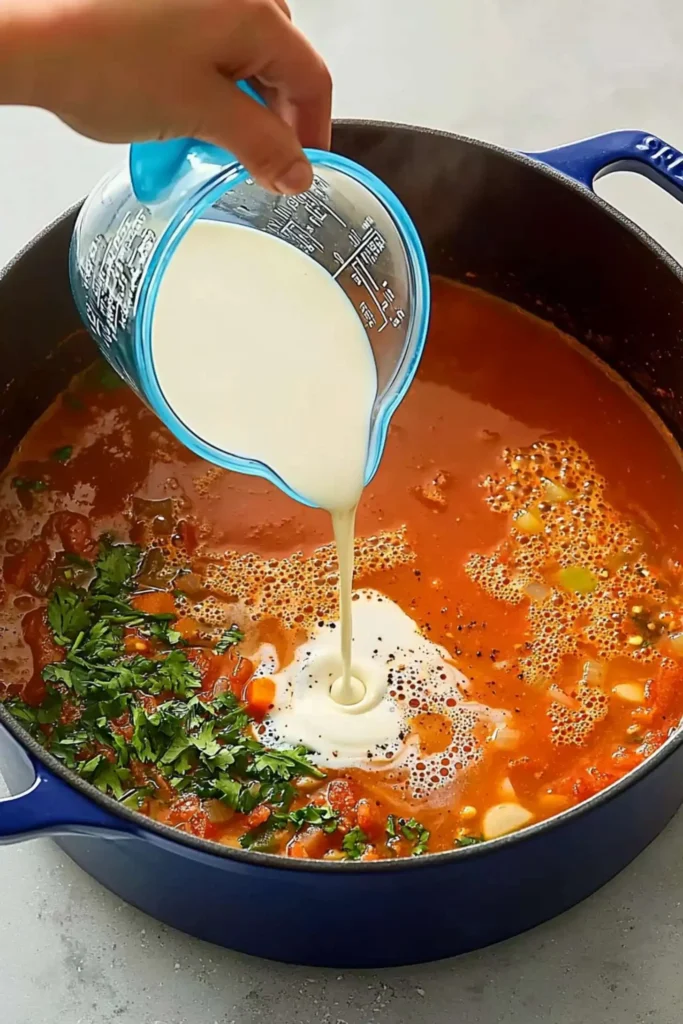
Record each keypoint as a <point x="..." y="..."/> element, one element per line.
<point x="349" y="222"/>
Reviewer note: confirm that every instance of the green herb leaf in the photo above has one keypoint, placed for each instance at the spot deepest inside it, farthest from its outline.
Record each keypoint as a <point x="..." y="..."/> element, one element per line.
<point x="62" y="454"/>
<point x="116" y="566"/>
<point x="469" y="840"/>
<point x="415" y="832"/>
<point x="67" y="614"/>
<point x="322" y="816"/>
<point x="354" y="843"/>
<point x="21" y="483"/>
<point x="228" y="639"/>
<point x="286" y="764"/>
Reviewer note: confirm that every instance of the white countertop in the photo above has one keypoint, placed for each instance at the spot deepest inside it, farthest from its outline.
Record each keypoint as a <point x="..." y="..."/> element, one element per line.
<point x="525" y="74"/>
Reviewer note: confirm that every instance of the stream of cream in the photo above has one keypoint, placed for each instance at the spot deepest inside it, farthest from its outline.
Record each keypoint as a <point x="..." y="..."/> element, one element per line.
<point x="260" y="353"/>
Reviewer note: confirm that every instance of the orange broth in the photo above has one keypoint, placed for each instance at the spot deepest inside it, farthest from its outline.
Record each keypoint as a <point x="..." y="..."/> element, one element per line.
<point x="492" y="378"/>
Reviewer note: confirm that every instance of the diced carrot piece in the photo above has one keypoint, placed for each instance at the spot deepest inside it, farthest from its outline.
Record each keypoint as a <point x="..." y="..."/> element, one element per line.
<point x="70" y="713"/>
<point x="133" y="643"/>
<point x="297" y="849"/>
<point x="259" y="816"/>
<point x="155" y="602"/>
<point x="260" y="695"/>
<point x="188" y="627"/>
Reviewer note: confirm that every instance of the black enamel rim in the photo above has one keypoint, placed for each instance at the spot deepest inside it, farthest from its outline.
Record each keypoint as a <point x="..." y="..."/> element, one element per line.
<point x="146" y="828"/>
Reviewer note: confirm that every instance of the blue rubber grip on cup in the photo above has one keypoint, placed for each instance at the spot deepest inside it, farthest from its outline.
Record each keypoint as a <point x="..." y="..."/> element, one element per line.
<point x="156" y="166"/>
<point x="630" y="150"/>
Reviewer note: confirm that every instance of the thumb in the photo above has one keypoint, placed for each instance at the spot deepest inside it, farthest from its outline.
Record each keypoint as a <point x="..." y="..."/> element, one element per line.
<point x="262" y="141"/>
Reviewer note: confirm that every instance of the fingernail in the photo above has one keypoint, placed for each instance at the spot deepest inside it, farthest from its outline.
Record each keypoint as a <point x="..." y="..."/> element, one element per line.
<point x="297" y="178"/>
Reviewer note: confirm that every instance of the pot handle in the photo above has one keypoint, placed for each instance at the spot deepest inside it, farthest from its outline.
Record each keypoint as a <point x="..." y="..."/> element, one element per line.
<point x="630" y="150"/>
<point x="52" y="807"/>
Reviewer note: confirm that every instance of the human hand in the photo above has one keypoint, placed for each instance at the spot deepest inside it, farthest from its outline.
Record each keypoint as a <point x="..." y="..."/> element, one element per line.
<point x="132" y="70"/>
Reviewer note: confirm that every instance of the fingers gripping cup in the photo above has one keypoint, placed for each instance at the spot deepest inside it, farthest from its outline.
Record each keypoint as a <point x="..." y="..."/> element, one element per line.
<point x="348" y="223"/>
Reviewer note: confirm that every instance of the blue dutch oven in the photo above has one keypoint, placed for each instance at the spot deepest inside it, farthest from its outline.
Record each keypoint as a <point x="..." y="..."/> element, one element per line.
<point x="526" y="227"/>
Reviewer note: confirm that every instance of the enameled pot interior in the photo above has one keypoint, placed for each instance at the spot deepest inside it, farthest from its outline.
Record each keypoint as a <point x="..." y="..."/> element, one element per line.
<point x="487" y="217"/>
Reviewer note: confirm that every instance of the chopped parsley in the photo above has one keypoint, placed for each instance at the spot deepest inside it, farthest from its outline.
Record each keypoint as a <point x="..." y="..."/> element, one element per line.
<point x="22" y="483"/>
<point x="108" y="711"/>
<point x="62" y="454"/>
<point x="410" y="829"/>
<point x="323" y="816"/>
<point x="116" y="566"/>
<point x="468" y="840"/>
<point x="355" y="843"/>
<point x="228" y="639"/>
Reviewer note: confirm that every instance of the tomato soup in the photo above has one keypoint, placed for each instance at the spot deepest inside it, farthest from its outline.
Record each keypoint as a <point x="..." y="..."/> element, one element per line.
<point x="517" y="592"/>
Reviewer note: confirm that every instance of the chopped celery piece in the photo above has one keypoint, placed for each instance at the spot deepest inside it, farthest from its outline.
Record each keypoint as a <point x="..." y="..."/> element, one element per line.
<point x="577" y="579"/>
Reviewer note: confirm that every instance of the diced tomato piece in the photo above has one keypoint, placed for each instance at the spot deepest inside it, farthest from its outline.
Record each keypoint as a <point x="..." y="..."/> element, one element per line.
<point x="259" y="696"/>
<point x="241" y="675"/>
<point x="227" y="671"/>
<point x="155" y="602"/>
<point x="183" y="808"/>
<point x="313" y="843"/>
<point x="122" y="725"/>
<point x="665" y="688"/>
<point x="164" y="791"/>
<point x="70" y="713"/>
<point x="21" y="568"/>
<point x="369" y="819"/>
<point x="148" y="701"/>
<point x="585" y="782"/>
<point x="45" y="651"/>
<point x="259" y="816"/>
<point x="74" y="532"/>
<point x="198" y="825"/>
<point x="341" y="795"/>
<point x="138" y="771"/>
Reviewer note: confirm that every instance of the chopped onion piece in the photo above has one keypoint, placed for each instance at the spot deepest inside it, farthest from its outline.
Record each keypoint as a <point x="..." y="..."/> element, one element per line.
<point x="537" y="592"/>
<point x="593" y="673"/>
<point x="503" y="818"/>
<point x="528" y="522"/>
<point x="505" y="738"/>
<point x="634" y="693"/>
<point x="556" y="693"/>
<point x="217" y="812"/>
<point x="555" y="492"/>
